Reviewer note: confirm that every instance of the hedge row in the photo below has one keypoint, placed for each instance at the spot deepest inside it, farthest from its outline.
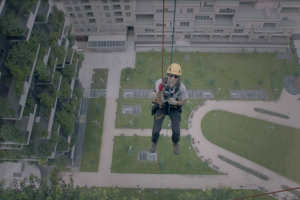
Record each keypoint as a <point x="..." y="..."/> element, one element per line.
<point x="246" y="169"/>
<point x="271" y="113"/>
<point x="294" y="192"/>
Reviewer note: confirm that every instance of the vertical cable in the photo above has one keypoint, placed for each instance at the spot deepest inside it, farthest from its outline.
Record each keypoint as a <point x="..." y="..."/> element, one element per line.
<point x="162" y="49"/>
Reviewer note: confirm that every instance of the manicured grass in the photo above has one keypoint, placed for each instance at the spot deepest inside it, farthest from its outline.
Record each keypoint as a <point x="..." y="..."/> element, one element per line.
<point x="248" y="68"/>
<point x="97" y="76"/>
<point x="175" y="164"/>
<point x="145" y="118"/>
<point x="91" y="145"/>
<point x="171" y="194"/>
<point x="274" y="148"/>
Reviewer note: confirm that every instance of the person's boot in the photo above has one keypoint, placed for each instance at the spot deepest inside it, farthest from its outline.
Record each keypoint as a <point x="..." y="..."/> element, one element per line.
<point x="153" y="147"/>
<point x="176" y="148"/>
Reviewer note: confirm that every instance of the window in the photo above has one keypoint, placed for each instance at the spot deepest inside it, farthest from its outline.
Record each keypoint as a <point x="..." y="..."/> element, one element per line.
<point x="269" y="24"/>
<point x="120" y="43"/>
<point x="128" y="14"/>
<point x="75" y="22"/>
<point x="160" y="24"/>
<point x="160" y="36"/>
<point x="118" y="13"/>
<point x="187" y="36"/>
<point x="105" y="8"/>
<point x="67" y="2"/>
<point x="72" y="15"/>
<point x="129" y="21"/>
<point x="75" y="2"/>
<point x="109" y="21"/>
<point x="180" y="10"/>
<point x="107" y="14"/>
<point x="285" y="18"/>
<point x="116" y="7"/>
<point x="159" y="10"/>
<point x="77" y="8"/>
<point x="218" y="31"/>
<point x="101" y="44"/>
<point x="171" y="24"/>
<point x="104" y="1"/>
<point x="227" y="10"/>
<point x="85" y="1"/>
<point x="110" y="43"/>
<point x="87" y="8"/>
<point x="238" y="30"/>
<point x="246" y="3"/>
<point x="115" y="1"/>
<point x="82" y="21"/>
<point x="119" y="20"/>
<point x="80" y="15"/>
<point x="184" y="23"/>
<point x="202" y="17"/>
<point x="92" y="44"/>
<point x="92" y="21"/>
<point x="127" y="7"/>
<point x="149" y="30"/>
<point x="70" y="9"/>
<point x="190" y="10"/>
<point x="90" y="14"/>
<point x="208" y="4"/>
<point x="102" y="27"/>
<point x="261" y="37"/>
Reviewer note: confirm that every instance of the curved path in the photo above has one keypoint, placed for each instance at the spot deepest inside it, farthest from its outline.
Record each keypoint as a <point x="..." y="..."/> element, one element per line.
<point x="287" y="104"/>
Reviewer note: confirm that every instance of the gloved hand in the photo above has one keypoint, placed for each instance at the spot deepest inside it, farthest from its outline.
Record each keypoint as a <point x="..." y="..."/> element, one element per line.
<point x="161" y="86"/>
<point x="172" y="101"/>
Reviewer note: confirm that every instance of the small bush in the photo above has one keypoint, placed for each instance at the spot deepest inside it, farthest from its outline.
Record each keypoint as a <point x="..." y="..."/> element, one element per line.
<point x="189" y="163"/>
<point x="187" y="81"/>
<point x="212" y="82"/>
<point x="94" y="135"/>
<point x="260" y="82"/>
<point x="98" y="108"/>
<point x="150" y="81"/>
<point x="127" y="70"/>
<point x="135" y="136"/>
<point x="236" y="83"/>
<point x="139" y="61"/>
<point x="271" y="113"/>
<point x="140" y="70"/>
<point x="200" y="71"/>
<point x="198" y="61"/>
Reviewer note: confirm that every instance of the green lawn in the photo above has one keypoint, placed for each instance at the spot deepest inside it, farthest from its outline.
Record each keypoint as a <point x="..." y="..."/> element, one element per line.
<point x="175" y="164"/>
<point x="99" y="74"/>
<point x="171" y="194"/>
<point x="248" y="68"/>
<point x="276" y="149"/>
<point x="92" y="136"/>
<point x="145" y="118"/>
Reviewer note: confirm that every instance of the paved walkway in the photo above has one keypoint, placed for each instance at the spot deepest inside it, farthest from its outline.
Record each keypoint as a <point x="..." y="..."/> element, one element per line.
<point x="287" y="104"/>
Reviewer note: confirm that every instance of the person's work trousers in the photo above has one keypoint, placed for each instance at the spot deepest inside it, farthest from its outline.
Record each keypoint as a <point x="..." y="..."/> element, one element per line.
<point x="159" y="115"/>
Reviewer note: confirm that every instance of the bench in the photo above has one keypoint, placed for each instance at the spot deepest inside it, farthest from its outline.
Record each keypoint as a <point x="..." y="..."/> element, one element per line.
<point x="216" y="167"/>
<point x="197" y="150"/>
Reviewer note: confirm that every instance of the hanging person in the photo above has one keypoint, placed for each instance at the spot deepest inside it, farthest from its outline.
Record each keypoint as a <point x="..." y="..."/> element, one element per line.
<point x="170" y="91"/>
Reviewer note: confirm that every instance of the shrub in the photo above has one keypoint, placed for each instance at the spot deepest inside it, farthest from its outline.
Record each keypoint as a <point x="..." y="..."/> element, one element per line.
<point x="140" y="70"/>
<point x="6" y="108"/>
<point x="294" y="192"/>
<point x="189" y="163"/>
<point x="11" y="133"/>
<point x="187" y="81"/>
<point x="127" y="70"/>
<point x="198" y="61"/>
<point x="62" y="145"/>
<point x="161" y="163"/>
<point x="212" y="82"/>
<point x="38" y="131"/>
<point x="98" y="108"/>
<point x="260" y="82"/>
<point x="236" y="83"/>
<point x="40" y="18"/>
<point x="150" y="81"/>
<point x="42" y="150"/>
<point x="271" y="113"/>
<point x="94" y="135"/>
<point x="61" y="161"/>
<point x="73" y="140"/>
<point x="161" y="137"/>
<point x="244" y="168"/>
<point x="200" y="71"/>
<point x="46" y="100"/>
<point x="94" y="148"/>
<point x="135" y="136"/>
<point x="139" y="61"/>
<point x="66" y="120"/>
<point x="9" y="25"/>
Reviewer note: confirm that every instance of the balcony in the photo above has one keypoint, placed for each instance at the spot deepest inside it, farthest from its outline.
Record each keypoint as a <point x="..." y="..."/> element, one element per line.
<point x="290" y="4"/>
<point x="144" y="7"/>
<point x="287" y="24"/>
<point x="200" y="38"/>
<point x="209" y="22"/>
<point x="179" y="16"/>
<point x="179" y="3"/>
<point x="45" y="9"/>
<point x="184" y="28"/>
<point x="144" y="21"/>
<point x="220" y="38"/>
<point x="266" y="30"/>
<point x="18" y="103"/>
<point x="227" y="3"/>
<point x="248" y="12"/>
<point x="290" y="11"/>
<point x="25" y="125"/>
<point x="224" y="20"/>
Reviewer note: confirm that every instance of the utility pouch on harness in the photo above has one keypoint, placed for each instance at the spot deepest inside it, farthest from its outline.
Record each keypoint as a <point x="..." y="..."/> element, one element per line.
<point x="154" y="107"/>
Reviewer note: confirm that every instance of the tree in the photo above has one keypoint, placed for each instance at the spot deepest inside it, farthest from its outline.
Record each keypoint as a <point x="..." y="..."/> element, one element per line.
<point x="212" y="81"/>
<point x="42" y="71"/>
<point x="6" y="108"/>
<point x="24" y="5"/>
<point x="9" y="25"/>
<point x="38" y="131"/>
<point x="187" y="81"/>
<point x="236" y="83"/>
<point x="198" y="61"/>
<point x="11" y="133"/>
<point x="73" y="140"/>
<point x="176" y="51"/>
<point x="61" y="161"/>
<point x="64" y="89"/>
<point x="62" y="145"/>
<point x="200" y="71"/>
<point x="56" y="17"/>
<point x="66" y="120"/>
<point x="28" y="150"/>
<point x="68" y="72"/>
<point x="42" y="150"/>
<point x="139" y="70"/>
<point x="46" y="100"/>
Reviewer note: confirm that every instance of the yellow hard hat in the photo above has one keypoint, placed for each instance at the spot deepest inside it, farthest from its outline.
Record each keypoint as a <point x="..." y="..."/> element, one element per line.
<point x="175" y="69"/>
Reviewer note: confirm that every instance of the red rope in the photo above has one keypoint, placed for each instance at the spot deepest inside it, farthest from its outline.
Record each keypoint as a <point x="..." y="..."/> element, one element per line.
<point x="268" y="193"/>
<point x="162" y="49"/>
